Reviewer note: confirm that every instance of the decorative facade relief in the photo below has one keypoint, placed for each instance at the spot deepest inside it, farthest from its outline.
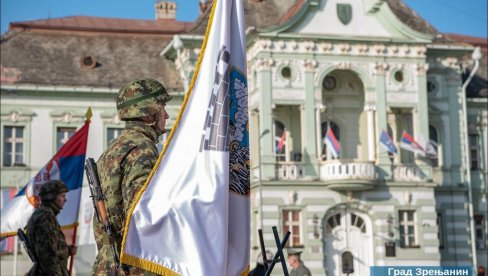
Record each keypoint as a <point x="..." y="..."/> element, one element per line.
<point x="309" y="65"/>
<point x="264" y="44"/>
<point x="326" y="47"/>
<point x="379" y="68"/>
<point x="344" y="65"/>
<point x="421" y="68"/>
<point x="309" y="46"/>
<point x="68" y="117"/>
<point x="17" y="116"/>
<point x="362" y="49"/>
<point x="379" y="48"/>
<point x="279" y="45"/>
<point x="288" y="95"/>
<point x="402" y="98"/>
<point x="344" y="48"/>
<point x="264" y="64"/>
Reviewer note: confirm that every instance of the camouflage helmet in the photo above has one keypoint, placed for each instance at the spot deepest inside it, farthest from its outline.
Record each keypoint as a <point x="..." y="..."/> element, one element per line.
<point x="141" y="98"/>
<point x="51" y="189"/>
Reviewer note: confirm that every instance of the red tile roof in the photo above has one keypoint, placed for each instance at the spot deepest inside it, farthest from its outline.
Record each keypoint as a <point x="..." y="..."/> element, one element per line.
<point x="100" y="24"/>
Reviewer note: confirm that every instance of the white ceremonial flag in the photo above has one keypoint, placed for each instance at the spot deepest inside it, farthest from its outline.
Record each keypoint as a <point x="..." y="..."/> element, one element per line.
<point x="192" y="215"/>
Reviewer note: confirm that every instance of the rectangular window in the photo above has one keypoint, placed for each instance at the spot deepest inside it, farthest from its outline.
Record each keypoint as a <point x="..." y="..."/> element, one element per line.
<point x="13" y="146"/>
<point x="408" y="231"/>
<point x="440" y="233"/>
<point x="291" y="222"/>
<point x="479" y="227"/>
<point x="62" y="136"/>
<point x="473" y="152"/>
<point x="112" y="133"/>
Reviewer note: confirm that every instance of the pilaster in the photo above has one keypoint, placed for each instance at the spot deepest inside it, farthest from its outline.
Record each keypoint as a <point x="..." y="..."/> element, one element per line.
<point x="383" y="161"/>
<point x="266" y="130"/>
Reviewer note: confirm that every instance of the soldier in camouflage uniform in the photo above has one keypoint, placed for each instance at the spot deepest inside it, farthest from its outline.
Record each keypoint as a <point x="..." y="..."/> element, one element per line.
<point x="44" y="233"/>
<point x="124" y="167"/>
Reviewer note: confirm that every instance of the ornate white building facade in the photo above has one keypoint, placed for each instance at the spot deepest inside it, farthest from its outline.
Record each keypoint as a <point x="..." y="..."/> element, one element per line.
<point x="357" y="68"/>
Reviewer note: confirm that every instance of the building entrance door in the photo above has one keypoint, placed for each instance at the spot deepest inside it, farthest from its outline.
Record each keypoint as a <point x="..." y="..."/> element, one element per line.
<point x="348" y="243"/>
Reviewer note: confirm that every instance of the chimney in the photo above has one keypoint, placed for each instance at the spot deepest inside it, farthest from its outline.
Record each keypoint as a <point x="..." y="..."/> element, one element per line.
<point x="203" y="6"/>
<point x="165" y="10"/>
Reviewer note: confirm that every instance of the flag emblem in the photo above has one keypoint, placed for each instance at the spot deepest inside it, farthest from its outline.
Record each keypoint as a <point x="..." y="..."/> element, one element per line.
<point x="239" y="163"/>
<point x="48" y="172"/>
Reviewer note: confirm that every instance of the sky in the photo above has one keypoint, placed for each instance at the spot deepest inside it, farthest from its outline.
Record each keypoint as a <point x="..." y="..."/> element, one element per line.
<point x="468" y="17"/>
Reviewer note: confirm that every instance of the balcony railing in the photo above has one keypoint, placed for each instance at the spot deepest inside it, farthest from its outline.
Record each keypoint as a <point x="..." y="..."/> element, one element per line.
<point x="407" y="173"/>
<point x="336" y="170"/>
<point x="289" y="171"/>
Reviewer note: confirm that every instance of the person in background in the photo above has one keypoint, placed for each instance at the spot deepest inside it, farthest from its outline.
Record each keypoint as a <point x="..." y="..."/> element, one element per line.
<point x="297" y="266"/>
<point x="44" y="232"/>
<point x="260" y="269"/>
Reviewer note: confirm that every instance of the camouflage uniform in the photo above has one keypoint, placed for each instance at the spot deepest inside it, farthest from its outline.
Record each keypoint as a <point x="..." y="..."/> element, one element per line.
<point x="124" y="167"/>
<point x="45" y="235"/>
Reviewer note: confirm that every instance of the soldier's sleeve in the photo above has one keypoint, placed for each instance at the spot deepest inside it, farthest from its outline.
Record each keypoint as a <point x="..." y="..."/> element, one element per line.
<point x="137" y="167"/>
<point x="46" y="241"/>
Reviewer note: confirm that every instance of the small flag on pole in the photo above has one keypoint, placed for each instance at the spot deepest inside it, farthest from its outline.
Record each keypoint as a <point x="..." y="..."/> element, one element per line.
<point x="66" y="165"/>
<point x="408" y="143"/>
<point x="387" y="143"/>
<point x="429" y="146"/>
<point x="281" y="143"/>
<point x="332" y="143"/>
<point x="192" y="216"/>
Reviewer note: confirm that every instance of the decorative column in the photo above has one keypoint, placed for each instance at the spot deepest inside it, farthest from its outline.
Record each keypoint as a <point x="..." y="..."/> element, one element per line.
<point x="369" y="108"/>
<point x="383" y="161"/>
<point x="309" y="141"/>
<point x="263" y="67"/>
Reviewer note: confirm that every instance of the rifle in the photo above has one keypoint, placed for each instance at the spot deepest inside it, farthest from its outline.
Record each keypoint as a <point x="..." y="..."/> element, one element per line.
<point x="99" y="205"/>
<point x="25" y="243"/>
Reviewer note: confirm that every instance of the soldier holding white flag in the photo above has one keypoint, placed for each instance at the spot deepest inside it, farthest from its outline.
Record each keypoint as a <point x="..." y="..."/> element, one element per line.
<point x="125" y="165"/>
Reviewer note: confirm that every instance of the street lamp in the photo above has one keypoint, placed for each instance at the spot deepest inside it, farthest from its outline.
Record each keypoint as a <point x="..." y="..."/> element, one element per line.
<point x="266" y="131"/>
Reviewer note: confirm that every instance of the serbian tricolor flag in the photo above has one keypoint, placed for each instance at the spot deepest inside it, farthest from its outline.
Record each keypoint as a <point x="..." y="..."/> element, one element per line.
<point x="66" y="165"/>
<point x="408" y="143"/>
<point x="332" y="143"/>
<point x="281" y="143"/>
<point x="192" y="216"/>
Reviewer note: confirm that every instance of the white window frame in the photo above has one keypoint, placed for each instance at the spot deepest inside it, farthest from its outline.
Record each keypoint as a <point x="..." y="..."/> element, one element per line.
<point x="405" y="223"/>
<point x="66" y="139"/>
<point x="14" y="140"/>
<point x="289" y="222"/>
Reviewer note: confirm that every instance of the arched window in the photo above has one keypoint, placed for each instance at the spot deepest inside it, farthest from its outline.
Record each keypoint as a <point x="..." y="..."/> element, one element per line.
<point x="325" y="154"/>
<point x="280" y="141"/>
<point x="347" y="263"/>
<point x="358" y="222"/>
<point x="332" y="223"/>
<point x="432" y="151"/>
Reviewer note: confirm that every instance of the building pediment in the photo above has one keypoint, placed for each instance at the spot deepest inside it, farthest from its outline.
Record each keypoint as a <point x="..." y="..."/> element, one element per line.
<point x="348" y="18"/>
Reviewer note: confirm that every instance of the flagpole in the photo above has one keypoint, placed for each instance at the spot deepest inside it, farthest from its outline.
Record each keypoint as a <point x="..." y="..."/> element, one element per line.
<point x="88" y="116"/>
<point x="72" y="257"/>
<point x="266" y="131"/>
